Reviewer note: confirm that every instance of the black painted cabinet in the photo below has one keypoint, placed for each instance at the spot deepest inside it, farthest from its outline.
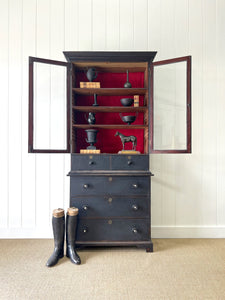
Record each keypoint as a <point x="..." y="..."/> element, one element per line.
<point x="111" y="190"/>
<point x="113" y="197"/>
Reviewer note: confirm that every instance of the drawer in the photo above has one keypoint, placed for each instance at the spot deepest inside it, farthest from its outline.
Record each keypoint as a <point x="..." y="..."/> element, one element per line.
<point x="109" y="185"/>
<point x="113" y="230"/>
<point x="81" y="162"/>
<point x="84" y="162"/>
<point x="89" y="207"/>
<point x="130" y="162"/>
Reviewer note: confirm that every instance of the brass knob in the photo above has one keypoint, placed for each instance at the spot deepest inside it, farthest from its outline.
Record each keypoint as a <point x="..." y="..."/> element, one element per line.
<point x="85" y="230"/>
<point x="134" y="230"/>
<point x="134" y="207"/>
<point x="85" y="207"/>
<point x="85" y="186"/>
<point x="135" y="185"/>
<point x="110" y="200"/>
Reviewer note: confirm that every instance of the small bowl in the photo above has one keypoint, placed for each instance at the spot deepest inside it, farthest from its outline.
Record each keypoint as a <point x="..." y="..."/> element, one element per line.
<point x="128" y="119"/>
<point x="127" y="101"/>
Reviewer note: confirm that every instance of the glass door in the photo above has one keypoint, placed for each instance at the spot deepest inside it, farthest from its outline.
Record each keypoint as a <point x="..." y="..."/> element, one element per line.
<point x="49" y="106"/>
<point x="170" y="106"/>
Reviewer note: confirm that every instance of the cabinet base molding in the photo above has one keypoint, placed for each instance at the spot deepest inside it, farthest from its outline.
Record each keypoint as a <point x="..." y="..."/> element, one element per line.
<point x="148" y="245"/>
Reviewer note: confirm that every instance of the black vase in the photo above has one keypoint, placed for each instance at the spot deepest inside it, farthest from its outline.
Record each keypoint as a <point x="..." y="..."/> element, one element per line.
<point x="95" y="100"/>
<point x="91" y="137"/>
<point x="91" y="74"/>
<point x="127" y="84"/>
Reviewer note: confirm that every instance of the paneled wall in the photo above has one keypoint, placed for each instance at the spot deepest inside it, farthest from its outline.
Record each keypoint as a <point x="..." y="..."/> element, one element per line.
<point x="188" y="190"/>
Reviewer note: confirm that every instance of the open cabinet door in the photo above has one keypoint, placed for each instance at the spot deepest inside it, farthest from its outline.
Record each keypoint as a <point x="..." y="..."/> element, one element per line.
<point x="170" y="106"/>
<point x="49" y="106"/>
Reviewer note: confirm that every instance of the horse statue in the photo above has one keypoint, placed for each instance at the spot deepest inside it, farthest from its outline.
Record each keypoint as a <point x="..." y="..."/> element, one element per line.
<point x="126" y="139"/>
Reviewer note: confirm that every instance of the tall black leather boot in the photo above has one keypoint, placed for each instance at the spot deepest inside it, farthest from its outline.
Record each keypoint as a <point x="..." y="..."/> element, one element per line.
<point x="58" y="226"/>
<point x="71" y="228"/>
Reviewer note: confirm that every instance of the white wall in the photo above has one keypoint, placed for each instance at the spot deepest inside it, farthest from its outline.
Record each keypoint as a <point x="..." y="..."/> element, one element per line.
<point x="188" y="190"/>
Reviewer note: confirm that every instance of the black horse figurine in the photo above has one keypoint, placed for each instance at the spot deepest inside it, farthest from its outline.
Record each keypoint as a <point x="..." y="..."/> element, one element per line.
<point x="126" y="139"/>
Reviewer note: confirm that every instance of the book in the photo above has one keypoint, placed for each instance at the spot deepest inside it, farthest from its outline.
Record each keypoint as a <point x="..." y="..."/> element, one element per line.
<point x="93" y="85"/>
<point x="136" y="100"/>
<point x="87" y="151"/>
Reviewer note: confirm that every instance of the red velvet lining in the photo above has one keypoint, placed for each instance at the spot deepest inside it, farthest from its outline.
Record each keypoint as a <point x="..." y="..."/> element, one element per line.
<point x="106" y="140"/>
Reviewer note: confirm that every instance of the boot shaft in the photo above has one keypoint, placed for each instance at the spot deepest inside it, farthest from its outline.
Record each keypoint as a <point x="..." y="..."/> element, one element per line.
<point x="71" y="225"/>
<point x="71" y="230"/>
<point x="58" y="226"/>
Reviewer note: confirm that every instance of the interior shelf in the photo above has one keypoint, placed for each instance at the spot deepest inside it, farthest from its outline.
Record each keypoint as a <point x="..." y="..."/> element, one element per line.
<point x="110" y="126"/>
<point x="110" y="108"/>
<point x="110" y="91"/>
<point x="118" y="67"/>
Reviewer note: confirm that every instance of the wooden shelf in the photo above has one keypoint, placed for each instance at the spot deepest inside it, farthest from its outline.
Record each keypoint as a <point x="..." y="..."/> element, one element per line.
<point x="110" y="108"/>
<point x="110" y="92"/>
<point x="109" y="126"/>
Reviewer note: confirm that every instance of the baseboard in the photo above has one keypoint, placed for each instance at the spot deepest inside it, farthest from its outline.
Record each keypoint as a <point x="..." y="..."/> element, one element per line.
<point x="157" y="232"/>
<point x="26" y="233"/>
<point x="188" y="231"/>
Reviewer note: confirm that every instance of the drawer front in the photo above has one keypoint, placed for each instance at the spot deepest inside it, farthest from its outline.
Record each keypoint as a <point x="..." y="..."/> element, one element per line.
<point x="89" y="207"/>
<point x="130" y="162"/>
<point x="109" y="185"/>
<point x="113" y="230"/>
<point x="81" y="162"/>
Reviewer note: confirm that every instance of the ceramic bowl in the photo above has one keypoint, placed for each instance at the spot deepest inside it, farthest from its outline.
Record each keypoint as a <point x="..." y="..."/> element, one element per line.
<point x="128" y="119"/>
<point x="127" y="101"/>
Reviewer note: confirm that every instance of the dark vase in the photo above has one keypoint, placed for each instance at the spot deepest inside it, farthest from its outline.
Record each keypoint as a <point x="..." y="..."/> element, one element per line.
<point x="91" y="74"/>
<point x="127" y="84"/>
<point x="91" y="137"/>
<point x="95" y="100"/>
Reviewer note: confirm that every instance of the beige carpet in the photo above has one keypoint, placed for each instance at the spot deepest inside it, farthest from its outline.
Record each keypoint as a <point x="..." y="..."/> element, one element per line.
<point x="178" y="269"/>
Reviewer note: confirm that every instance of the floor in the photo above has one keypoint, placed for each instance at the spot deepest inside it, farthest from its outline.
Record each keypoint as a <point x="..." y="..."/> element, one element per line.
<point x="177" y="269"/>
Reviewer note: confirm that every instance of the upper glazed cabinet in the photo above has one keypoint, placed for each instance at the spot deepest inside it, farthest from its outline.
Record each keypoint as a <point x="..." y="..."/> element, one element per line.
<point x="61" y="108"/>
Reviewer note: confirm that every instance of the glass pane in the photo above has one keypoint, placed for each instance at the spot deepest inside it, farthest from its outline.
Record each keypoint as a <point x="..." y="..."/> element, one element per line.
<point x="50" y="106"/>
<point x="170" y="106"/>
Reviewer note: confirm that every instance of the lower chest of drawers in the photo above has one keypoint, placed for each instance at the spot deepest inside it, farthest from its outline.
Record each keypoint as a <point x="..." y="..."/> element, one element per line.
<point x="114" y="205"/>
<point x="111" y="208"/>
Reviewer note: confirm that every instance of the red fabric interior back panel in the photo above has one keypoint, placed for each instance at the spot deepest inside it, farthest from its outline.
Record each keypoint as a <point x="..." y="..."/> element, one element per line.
<point x="106" y="140"/>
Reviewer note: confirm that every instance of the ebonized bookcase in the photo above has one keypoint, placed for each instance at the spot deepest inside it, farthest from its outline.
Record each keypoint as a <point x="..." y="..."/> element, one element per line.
<point x="111" y="190"/>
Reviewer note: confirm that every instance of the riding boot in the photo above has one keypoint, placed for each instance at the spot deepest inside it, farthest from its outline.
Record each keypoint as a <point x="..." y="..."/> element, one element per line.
<point x="58" y="226"/>
<point x="71" y="228"/>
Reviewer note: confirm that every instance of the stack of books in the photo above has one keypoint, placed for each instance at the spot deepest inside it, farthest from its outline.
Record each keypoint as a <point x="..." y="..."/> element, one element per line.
<point x="136" y="100"/>
<point x="92" y="85"/>
<point x="87" y="151"/>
